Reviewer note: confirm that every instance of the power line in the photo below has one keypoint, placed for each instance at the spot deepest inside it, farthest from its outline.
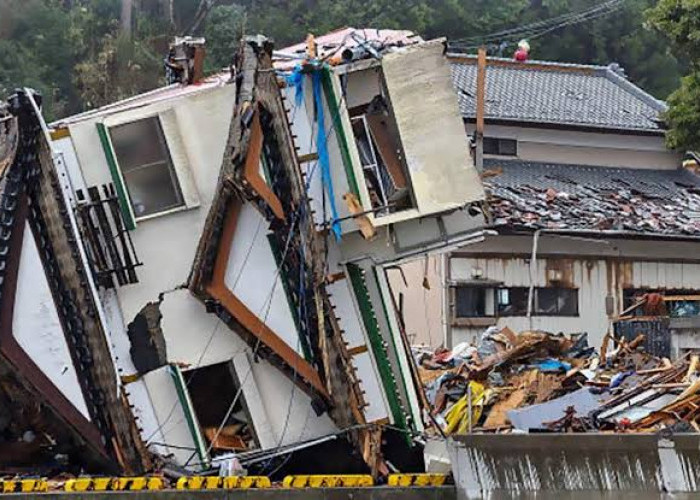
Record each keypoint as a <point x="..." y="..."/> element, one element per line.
<point x="540" y="28"/>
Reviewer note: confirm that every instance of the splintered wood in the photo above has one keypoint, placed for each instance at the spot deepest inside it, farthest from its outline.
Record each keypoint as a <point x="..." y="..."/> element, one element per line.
<point x="624" y="388"/>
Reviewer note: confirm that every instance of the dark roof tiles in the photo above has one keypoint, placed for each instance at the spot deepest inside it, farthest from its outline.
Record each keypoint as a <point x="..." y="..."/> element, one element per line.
<point x="530" y="195"/>
<point x="560" y="94"/>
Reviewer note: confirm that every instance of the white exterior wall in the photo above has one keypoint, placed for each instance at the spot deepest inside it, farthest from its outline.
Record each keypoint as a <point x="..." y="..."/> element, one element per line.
<point x="37" y="328"/>
<point x="594" y="278"/>
<point x="607" y="149"/>
<point x="196" y="132"/>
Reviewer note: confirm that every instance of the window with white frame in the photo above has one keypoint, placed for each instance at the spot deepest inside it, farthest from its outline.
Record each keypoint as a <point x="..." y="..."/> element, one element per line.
<point x="146" y="166"/>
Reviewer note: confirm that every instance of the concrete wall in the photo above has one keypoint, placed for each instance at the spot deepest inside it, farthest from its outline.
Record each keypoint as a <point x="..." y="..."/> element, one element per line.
<point x="598" y="269"/>
<point x="606" y="149"/>
<point x="564" y="465"/>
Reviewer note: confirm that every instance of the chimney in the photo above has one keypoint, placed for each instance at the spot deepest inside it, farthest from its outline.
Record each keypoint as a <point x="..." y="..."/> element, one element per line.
<point x="185" y="62"/>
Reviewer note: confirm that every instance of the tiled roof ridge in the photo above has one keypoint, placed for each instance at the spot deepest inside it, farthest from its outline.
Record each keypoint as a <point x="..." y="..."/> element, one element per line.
<point x="608" y="71"/>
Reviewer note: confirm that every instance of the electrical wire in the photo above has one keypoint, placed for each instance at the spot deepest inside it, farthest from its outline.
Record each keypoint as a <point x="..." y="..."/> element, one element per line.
<point x="210" y="338"/>
<point x="282" y="259"/>
<point x="521" y="31"/>
<point x="539" y="28"/>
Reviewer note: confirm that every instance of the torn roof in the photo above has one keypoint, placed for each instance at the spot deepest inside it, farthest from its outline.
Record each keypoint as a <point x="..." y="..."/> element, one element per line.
<point x="526" y="195"/>
<point x="557" y="94"/>
<point x="166" y="93"/>
<point x="336" y="41"/>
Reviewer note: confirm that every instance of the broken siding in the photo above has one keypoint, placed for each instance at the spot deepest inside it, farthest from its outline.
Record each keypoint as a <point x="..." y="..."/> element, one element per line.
<point x="425" y="106"/>
<point x="595" y="279"/>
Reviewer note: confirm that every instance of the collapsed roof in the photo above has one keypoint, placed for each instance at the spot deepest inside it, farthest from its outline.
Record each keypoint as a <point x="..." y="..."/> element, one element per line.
<point x="529" y="195"/>
<point x="538" y="92"/>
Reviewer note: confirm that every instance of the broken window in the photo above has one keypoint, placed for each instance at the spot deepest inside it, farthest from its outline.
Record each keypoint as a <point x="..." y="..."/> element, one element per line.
<point x="146" y="166"/>
<point x="512" y="301"/>
<point x="556" y="302"/>
<point x="377" y="144"/>
<point x="474" y="301"/>
<point x="501" y="147"/>
<point x="212" y="389"/>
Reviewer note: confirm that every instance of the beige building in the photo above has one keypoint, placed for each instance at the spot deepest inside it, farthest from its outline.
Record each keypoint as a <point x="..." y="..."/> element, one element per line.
<point x="586" y="208"/>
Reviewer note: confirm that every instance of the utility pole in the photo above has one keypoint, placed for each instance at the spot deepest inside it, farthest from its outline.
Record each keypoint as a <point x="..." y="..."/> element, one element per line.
<point x="480" y="101"/>
<point x="127" y="8"/>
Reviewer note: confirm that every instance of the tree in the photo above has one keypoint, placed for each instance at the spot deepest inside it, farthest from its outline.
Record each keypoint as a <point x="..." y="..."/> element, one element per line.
<point x="223" y="31"/>
<point x="679" y="22"/>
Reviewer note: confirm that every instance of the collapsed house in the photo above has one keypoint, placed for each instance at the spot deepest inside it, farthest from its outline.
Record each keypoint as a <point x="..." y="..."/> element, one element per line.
<point x="587" y="208"/>
<point x="215" y="253"/>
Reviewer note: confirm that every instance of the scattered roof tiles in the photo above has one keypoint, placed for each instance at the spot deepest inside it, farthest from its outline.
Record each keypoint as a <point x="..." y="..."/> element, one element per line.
<point x="556" y="93"/>
<point x="339" y="39"/>
<point x="525" y="195"/>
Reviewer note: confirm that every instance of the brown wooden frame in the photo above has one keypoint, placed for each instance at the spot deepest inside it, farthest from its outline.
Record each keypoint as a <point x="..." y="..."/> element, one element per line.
<point x="15" y="355"/>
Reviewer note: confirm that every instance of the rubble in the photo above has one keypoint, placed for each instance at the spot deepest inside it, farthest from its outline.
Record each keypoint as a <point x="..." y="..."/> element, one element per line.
<point x="554" y="196"/>
<point x="542" y="382"/>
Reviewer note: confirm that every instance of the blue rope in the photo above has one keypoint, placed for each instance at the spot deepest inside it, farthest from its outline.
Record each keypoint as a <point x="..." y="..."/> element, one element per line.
<point x="323" y="151"/>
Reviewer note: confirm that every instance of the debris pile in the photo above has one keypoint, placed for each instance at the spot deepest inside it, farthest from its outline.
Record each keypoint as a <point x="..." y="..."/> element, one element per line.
<point x="553" y="196"/>
<point x="541" y="382"/>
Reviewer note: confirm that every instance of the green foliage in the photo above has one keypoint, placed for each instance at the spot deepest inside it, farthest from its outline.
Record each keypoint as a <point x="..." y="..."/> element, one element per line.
<point x="683" y="115"/>
<point x="74" y="52"/>
<point x="679" y="22"/>
<point x="223" y="32"/>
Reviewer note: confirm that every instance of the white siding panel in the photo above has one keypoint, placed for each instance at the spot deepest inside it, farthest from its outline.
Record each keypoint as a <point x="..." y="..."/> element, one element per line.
<point x="37" y="327"/>
<point x="252" y="277"/>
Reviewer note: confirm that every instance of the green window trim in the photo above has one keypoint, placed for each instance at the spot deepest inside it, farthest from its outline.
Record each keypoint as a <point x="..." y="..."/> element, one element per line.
<point x="124" y="203"/>
<point x="332" y="102"/>
<point x="288" y="294"/>
<point x="357" y="280"/>
<point x="393" y="340"/>
<point x="192" y="424"/>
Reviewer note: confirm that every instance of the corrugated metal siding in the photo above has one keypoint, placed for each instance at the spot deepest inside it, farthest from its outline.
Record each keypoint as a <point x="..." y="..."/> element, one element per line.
<point x="594" y="278"/>
<point x="657" y="335"/>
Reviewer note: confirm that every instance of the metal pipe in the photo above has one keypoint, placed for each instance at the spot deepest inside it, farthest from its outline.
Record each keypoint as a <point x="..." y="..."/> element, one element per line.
<point x="532" y="271"/>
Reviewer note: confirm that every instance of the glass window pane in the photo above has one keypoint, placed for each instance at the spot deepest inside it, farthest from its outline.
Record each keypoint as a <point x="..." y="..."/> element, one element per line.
<point x="490" y="146"/>
<point x="151" y="190"/>
<point x="556" y="301"/>
<point x="471" y="301"/>
<point x="138" y="143"/>
<point x="144" y="160"/>
<point x="507" y="147"/>
<point x="512" y="301"/>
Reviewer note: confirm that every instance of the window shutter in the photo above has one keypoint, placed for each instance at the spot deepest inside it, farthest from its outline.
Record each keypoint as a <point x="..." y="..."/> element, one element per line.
<point x="124" y="203"/>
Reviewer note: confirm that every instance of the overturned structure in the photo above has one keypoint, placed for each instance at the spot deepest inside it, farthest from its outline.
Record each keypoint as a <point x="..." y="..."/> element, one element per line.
<point x="208" y="261"/>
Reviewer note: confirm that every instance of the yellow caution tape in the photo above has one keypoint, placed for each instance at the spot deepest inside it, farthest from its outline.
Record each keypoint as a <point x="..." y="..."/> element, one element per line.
<point x="114" y="484"/>
<point x="24" y="486"/>
<point x="227" y="483"/>
<point x="417" y="479"/>
<point x="328" y="481"/>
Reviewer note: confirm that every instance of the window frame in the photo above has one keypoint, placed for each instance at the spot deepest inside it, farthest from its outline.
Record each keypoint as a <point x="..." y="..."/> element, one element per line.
<point x="167" y="160"/>
<point x="496" y="288"/>
<point x="180" y="163"/>
<point x="498" y="143"/>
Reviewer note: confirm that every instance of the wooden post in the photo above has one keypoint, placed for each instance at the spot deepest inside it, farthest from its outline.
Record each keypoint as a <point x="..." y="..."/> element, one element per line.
<point x="480" y="100"/>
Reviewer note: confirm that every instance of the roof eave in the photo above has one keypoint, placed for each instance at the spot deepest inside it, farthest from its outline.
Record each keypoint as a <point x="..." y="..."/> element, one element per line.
<point x="567" y="126"/>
